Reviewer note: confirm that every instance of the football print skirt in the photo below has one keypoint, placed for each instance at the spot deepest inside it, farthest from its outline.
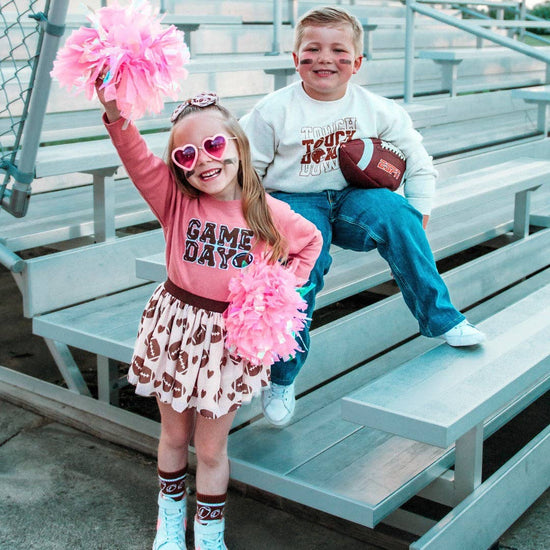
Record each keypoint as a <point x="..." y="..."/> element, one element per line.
<point x="180" y="356"/>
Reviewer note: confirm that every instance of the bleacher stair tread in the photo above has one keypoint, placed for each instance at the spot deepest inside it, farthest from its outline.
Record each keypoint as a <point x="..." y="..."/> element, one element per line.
<point x="437" y="396"/>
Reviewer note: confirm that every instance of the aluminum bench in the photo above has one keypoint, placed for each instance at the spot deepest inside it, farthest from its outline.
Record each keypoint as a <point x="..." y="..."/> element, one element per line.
<point x="98" y="199"/>
<point x="450" y="59"/>
<point x="540" y="96"/>
<point x="445" y="397"/>
<point x="86" y="325"/>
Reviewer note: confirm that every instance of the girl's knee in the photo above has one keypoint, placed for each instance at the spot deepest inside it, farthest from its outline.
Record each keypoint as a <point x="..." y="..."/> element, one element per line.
<point x="212" y="455"/>
<point x="175" y="440"/>
<point x="176" y="435"/>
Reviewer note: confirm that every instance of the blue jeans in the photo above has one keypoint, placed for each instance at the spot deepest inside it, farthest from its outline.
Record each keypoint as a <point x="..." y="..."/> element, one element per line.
<point x="364" y="219"/>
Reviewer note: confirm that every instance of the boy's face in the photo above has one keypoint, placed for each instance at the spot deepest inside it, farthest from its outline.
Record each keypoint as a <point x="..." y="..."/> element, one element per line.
<point x="326" y="60"/>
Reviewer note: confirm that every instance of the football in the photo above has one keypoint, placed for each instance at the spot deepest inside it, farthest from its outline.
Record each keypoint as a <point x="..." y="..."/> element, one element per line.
<point x="372" y="163"/>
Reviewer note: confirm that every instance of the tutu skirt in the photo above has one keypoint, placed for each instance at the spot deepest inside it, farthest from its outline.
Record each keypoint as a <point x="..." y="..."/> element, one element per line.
<point x="180" y="356"/>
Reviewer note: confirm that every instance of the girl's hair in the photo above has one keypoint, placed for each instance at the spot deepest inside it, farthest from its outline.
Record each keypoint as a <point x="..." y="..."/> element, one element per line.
<point x="329" y="16"/>
<point x="255" y="209"/>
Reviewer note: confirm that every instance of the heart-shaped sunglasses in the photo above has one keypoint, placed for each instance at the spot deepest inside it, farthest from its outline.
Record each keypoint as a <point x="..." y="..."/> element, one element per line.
<point x="186" y="156"/>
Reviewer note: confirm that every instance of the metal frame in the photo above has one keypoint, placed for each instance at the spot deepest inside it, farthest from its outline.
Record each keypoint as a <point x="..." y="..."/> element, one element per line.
<point x="16" y="198"/>
<point x="413" y="7"/>
<point x="499" y="501"/>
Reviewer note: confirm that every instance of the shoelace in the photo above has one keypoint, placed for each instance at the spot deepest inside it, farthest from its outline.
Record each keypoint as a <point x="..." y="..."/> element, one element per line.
<point x="280" y="392"/>
<point x="213" y="541"/>
<point x="464" y="326"/>
<point x="173" y="525"/>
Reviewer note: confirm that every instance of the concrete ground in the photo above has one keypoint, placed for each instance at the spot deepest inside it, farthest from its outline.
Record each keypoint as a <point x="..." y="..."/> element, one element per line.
<point x="63" y="489"/>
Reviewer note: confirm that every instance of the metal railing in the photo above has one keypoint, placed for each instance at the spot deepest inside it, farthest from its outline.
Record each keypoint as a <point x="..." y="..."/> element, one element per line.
<point x="26" y="86"/>
<point x="519" y="14"/>
<point x="413" y="7"/>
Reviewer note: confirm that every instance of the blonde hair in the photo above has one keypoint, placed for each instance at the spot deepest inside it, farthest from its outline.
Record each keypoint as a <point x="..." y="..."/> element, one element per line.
<point x="254" y="203"/>
<point x="329" y="16"/>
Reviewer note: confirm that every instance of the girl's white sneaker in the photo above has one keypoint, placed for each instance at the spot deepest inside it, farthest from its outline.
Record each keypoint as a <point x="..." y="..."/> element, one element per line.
<point x="171" y="524"/>
<point x="209" y="535"/>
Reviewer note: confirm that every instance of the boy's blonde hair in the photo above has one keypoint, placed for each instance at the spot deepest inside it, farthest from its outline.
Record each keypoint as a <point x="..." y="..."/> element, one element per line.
<point x="329" y="16"/>
<point x="255" y="209"/>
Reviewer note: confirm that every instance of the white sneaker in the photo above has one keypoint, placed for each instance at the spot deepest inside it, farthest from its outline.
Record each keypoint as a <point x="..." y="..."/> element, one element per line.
<point x="464" y="334"/>
<point x="278" y="403"/>
<point x="209" y="535"/>
<point x="171" y="524"/>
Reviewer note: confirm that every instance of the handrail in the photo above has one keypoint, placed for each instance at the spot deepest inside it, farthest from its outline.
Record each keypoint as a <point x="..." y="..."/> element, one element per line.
<point x="522" y="32"/>
<point x="413" y="6"/>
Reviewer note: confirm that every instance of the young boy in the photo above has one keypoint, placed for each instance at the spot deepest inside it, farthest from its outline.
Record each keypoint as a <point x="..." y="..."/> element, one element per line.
<point x="294" y="133"/>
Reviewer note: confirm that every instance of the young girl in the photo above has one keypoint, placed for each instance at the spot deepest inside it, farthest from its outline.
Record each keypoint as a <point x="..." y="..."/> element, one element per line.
<point x="216" y="219"/>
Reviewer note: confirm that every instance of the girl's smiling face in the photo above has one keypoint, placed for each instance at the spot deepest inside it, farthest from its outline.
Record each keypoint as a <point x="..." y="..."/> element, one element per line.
<point x="217" y="178"/>
<point x="326" y="60"/>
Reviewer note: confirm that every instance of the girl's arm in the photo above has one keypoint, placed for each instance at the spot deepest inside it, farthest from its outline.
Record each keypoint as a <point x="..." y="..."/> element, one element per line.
<point x="148" y="172"/>
<point x="304" y="239"/>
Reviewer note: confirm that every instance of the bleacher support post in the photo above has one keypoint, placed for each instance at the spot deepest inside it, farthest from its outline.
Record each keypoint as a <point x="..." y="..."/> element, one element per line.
<point x="277" y="24"/>
<point x="409" y="53"/>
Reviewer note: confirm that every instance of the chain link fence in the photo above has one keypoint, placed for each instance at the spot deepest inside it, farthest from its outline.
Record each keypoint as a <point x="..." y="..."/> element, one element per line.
<point x="20" y="42"/>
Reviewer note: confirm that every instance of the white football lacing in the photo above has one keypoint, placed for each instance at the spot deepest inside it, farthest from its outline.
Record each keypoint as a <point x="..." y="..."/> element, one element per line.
<point x="391" y="147"/>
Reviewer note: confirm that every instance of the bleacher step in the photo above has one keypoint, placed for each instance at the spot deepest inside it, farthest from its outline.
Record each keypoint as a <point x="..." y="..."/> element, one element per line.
<point x="458" y="379"/>
<point x="340" y="469"/>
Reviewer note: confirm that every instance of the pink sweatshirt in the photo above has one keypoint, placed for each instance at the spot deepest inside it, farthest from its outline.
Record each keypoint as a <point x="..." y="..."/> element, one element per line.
<point x="207" y="240"/>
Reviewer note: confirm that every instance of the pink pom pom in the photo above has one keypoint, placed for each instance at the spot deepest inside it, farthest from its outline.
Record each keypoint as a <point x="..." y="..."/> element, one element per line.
<point x="142" y="61"/>
<point x="265" y="313"/>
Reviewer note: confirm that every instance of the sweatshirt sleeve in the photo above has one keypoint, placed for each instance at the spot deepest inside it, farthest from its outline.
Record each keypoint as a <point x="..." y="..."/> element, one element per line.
<point x="262" y="138"/>
<point x="149" y="173"/>
<point x="304" y="239"/>
<point x="420" y="175"/>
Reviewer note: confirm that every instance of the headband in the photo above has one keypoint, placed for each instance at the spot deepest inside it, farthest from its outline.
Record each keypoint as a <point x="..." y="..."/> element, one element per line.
<point x="204" y="99"/>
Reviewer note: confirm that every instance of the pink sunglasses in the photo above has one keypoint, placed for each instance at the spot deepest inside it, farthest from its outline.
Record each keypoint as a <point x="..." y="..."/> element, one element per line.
<point x="186" y="156"/>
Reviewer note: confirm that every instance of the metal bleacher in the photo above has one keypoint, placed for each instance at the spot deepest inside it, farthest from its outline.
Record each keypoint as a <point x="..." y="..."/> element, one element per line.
<point x="354" y="449"/>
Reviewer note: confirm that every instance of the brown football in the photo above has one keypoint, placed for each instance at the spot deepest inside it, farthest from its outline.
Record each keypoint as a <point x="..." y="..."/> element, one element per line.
<point x="372" y="163"/>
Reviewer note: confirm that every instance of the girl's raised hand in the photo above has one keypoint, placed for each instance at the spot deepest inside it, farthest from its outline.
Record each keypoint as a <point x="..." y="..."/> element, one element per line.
<point x="111" y="109"/>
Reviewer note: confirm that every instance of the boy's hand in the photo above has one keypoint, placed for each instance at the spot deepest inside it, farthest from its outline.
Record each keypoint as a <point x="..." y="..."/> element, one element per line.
<point x="425" y="219"/>
<point x="111" y="109"/>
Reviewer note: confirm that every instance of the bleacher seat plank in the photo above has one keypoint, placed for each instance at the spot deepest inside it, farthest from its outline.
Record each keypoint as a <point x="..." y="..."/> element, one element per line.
<point x="433" y="397"/>
<point x="68" y="214"/>
<point x="470" y="135"/>
<point x="354" y="272"/>
<point x="106" y="327"/>
<point x="347" y="476"/>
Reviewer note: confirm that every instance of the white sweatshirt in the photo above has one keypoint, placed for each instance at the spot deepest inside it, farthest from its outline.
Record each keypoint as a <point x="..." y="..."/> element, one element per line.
<point x="293" y="139"/>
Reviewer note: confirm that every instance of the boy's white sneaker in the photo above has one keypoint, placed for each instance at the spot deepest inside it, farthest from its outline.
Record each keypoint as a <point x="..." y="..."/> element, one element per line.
<point x="464" y="334"/>
<point x="171" y="524"/>
<point x="209" y="535"/>
<point x="278" y="404"/>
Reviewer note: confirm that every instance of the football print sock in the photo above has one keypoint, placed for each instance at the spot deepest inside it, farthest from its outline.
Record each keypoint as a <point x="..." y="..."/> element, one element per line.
<point x="172" y="484"/>
<point x="210" y="507"/>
